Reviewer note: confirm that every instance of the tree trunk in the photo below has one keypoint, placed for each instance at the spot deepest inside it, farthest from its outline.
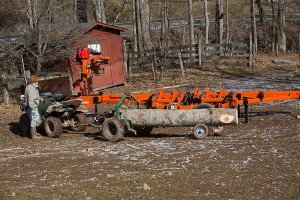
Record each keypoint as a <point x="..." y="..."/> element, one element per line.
<point x="32" y="13"/>
<point x="139" y="25"/>
<point x="164" y="33"/>
<point x="99" y="11"/>
<point x="253" y="27"/>
<point x="219" y="21"/>
<point x="227" y="24"/>
<point x="262" y="16"/>
<point x="49" y="10"/>
<point x="164" y="25"/>
<point x="191" y="22"/>
<point x="145" y="24"/>
<point x="134" y="23"/>
<point x="274" y="27"/>
<point x="281" y="24"/>
<point x="206" y="22"/>
<point x="81" y="11"/>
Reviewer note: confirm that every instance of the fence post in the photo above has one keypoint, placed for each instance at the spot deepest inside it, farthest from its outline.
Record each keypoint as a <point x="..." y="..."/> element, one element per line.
<point x="154" y="66"/>
<point x="181" y="64"/>
<point x="130" y="64"/>
<point x="200" y="50"/>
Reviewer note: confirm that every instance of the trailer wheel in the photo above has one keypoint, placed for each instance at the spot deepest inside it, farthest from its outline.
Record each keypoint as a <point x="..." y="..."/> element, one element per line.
<point x="143" y="131"/>
<point x="78" y="122"/>
<point x="203" y="106"/>
<point x="53" y="127"/>
<point x="24" y="124"/>
<point x="112" y="130"/>
<point x="200" y="131"/>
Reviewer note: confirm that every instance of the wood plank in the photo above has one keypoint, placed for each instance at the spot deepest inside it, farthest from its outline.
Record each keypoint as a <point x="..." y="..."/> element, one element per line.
<point x="241" y="45"/>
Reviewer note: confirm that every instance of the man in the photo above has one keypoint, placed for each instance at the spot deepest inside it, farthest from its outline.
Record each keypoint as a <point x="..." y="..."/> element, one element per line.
<point x="32" y="97"/>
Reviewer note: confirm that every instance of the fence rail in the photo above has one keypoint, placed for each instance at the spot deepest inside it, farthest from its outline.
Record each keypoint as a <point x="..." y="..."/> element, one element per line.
<point x="191" y="55"/>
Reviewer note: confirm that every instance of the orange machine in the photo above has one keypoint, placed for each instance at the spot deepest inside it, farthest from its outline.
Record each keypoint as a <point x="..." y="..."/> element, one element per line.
<point x="91" y="61"/>
<point x="91" y="65"/>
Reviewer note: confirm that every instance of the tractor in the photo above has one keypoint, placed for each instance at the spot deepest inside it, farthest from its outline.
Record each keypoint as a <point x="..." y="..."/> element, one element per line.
<point x="56" y="114"/>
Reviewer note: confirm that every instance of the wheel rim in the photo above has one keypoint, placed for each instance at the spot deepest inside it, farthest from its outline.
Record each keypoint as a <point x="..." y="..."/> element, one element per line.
<point x="200" y="131"/>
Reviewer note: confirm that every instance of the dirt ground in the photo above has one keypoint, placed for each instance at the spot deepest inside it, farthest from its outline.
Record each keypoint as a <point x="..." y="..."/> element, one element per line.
<point x="258" y="160"/>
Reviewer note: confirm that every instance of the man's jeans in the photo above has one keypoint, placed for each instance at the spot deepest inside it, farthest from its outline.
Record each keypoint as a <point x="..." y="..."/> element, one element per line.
<point x="34" y="116"/>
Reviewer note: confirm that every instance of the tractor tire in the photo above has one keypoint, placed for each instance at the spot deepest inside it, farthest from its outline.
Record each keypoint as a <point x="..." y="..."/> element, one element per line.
<point x="53" y="127"/>
<point x="24" y="123"/>
<point x="78" y="122"/>
<point x="203" y="106"/>
<point x="200" y="131"/>
<point x="143" y="131"/>
<point x="112" y="130"/>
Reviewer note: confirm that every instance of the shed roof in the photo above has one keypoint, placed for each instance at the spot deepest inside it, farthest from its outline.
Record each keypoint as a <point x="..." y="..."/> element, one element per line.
<point x="99" y="24"/>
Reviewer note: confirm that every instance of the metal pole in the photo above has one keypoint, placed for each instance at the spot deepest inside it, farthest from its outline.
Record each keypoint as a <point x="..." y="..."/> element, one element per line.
<point x="239" y="111"/>
<point x="246" y="111"/>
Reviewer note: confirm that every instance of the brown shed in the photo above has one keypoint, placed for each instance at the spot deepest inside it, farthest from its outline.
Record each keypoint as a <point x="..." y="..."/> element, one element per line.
<point x="110" y="39"/>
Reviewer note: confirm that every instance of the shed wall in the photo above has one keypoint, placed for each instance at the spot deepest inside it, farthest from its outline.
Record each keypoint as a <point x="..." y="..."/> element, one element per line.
<point x="111" y="45"/>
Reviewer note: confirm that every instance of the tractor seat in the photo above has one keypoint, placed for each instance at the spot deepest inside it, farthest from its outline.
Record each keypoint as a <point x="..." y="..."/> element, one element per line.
<point x="74" y="103"/>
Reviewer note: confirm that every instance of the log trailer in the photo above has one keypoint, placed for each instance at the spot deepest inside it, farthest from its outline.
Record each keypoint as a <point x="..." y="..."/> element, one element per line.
<point x="208" y="101"/>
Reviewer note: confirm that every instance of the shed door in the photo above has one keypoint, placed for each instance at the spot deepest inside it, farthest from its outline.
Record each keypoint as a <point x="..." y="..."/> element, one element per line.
<point x="106" y="75"/>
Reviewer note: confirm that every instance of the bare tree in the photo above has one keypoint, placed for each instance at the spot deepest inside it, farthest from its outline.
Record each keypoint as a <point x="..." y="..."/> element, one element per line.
<point x="99" y="11"/>
<point x="143" y="24"/>
<point x="206" y="22"/>
<point x="253" y="27"/>
<point x="227" y="23"/>
<point x="31" y="13"/>
<point x="80" y="11"/>
<point x="262" y="16"/>
<point x="219" y="21"/>
<point x="138" y="25"/>
<point x="164" y="37"/>
<point x="274" y="25"/>
<point x="164" y="25"/>
<point x="121" y="10"/>
<point x="43" y="42"/>
<point x="134" y="25"/>
<point x="191" y="21"/>
<point x="281" y="25"/>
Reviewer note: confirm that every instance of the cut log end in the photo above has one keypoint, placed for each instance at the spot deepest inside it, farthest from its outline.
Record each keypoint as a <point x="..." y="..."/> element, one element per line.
<point x="226" y="119"/>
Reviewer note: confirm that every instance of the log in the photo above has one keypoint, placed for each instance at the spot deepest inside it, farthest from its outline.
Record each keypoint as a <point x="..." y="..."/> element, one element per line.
<point x="177" y="117"/>
<point x="286" y="62"/>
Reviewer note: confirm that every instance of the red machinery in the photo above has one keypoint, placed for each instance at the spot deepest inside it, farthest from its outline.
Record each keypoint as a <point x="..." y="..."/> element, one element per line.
<point x="91" y="65"/>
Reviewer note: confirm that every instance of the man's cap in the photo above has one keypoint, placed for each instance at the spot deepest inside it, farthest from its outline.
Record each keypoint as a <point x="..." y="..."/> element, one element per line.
<point x="34" y="79"/>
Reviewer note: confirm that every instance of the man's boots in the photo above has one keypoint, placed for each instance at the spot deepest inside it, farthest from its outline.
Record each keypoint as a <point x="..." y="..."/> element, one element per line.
<point x="34" y="134"/>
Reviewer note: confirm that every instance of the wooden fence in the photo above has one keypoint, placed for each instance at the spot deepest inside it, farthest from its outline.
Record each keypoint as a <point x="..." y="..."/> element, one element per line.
<point x="196" y="55"/>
